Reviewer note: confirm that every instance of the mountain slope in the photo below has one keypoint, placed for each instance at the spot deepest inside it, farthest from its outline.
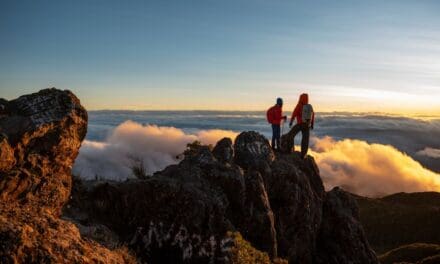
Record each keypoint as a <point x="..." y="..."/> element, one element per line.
<point x="400" y="219"/>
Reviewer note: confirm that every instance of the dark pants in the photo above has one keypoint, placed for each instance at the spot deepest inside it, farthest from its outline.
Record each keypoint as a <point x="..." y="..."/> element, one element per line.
<point x="276" y="135"/>
<point x="305" y="133"/>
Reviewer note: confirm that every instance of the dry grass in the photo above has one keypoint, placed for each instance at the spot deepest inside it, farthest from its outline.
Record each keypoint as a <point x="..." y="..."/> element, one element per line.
<point x="414" y="253"/>
<point x="244" y="253"/>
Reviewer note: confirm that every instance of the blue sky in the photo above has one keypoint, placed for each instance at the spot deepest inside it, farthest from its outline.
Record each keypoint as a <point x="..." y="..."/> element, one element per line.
<point x="231" y="55"/>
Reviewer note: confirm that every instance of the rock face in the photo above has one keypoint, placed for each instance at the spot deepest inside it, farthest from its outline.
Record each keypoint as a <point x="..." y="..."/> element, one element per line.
<point x="223" y="151"/>
<point x="341" y="223"/>
<point x="40" y="135"/>
<point x="184" y="213"/>
<point x="252" y="149"/>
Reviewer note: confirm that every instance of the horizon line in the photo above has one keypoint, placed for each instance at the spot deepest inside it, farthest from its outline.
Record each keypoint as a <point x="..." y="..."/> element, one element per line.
<point x="263" y="111"/>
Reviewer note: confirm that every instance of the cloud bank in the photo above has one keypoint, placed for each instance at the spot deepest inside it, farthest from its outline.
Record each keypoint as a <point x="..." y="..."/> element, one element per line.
<point x="407" y="135"/>
<point x="370" y="169"/>
<point x="156" y="146"/>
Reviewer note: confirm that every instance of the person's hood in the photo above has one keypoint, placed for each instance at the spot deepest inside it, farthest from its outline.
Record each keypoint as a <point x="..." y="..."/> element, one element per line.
<point x="304" y="99"/>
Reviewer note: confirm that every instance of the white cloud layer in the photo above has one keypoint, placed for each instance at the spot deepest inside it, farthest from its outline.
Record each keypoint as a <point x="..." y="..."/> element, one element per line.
<point x="370" y="169"/>
<point x="156" y="146"/>
<point x="357" y="166"/>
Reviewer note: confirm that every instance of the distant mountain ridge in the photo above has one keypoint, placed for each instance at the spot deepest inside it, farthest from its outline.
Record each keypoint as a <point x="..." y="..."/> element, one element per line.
<point x="399" y="219"/>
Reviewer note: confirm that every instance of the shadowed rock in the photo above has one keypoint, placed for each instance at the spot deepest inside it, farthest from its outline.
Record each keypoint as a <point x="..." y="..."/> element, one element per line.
<point x="341" y="237"/>
<point x="184" y="213"/>
<point x="223" y="151"/>
<point x="252" y="149"/>
<point x="260" y="225"/>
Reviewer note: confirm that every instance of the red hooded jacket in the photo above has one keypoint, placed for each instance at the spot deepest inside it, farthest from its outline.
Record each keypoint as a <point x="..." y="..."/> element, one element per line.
<point x="275" y="115"/>
<point x="297" y="112"/>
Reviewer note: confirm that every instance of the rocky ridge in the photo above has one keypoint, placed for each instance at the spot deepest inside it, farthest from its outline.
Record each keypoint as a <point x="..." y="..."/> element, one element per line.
<point x="185" y="213"/>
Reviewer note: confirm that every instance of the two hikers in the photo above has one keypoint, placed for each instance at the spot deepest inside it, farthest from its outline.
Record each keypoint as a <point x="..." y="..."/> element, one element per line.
<point x="275" y="117"/>
<point x="305" y="118"/>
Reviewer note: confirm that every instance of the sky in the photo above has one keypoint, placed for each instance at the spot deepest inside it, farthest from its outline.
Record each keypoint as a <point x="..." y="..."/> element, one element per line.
<point x="361" y="56"/>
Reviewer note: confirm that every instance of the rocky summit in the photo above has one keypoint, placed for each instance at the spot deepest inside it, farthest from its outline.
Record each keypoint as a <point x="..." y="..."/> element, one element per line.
<point x="238" y="202"/>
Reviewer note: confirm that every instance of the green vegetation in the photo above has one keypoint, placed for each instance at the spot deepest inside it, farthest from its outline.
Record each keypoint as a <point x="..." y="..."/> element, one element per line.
<point x="415" y="253"/>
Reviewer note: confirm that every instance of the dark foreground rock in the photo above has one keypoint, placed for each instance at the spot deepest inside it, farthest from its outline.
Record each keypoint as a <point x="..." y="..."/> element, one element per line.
<point x="341" y="223"/>
<point x="40" y="135"/>
<point x="186" y="212"/>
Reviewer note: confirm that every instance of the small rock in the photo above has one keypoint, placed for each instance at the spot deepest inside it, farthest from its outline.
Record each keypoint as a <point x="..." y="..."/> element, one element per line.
<point x="223" y="150"/>
<point x="252" y="149"/>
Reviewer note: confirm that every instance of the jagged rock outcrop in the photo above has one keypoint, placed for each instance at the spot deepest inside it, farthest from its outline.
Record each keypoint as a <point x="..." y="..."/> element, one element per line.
<point x="341" y="223"/>
<point x="40" y="135"/>
<point x="184" y="213"/>
<point x="297" y="205"/>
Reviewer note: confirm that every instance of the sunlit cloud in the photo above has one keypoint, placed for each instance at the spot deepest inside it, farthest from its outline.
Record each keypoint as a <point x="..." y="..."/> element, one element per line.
<point x="156" y="146"/>
<point x="370" y="169"/>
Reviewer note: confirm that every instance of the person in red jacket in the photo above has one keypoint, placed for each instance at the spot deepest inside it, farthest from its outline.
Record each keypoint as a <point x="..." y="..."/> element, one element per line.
<point x="274" y="117"/>
<point x="305" y="118"/>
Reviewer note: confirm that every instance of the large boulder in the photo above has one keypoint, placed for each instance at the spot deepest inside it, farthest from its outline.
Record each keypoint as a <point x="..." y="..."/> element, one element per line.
<point x="252" y="149"/>
<point x="40" y="135"/>
<point x="223" y="150"/>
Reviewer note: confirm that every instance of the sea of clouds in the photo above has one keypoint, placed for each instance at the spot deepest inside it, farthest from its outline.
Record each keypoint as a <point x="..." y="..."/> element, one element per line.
<point x="370" y="155"/>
